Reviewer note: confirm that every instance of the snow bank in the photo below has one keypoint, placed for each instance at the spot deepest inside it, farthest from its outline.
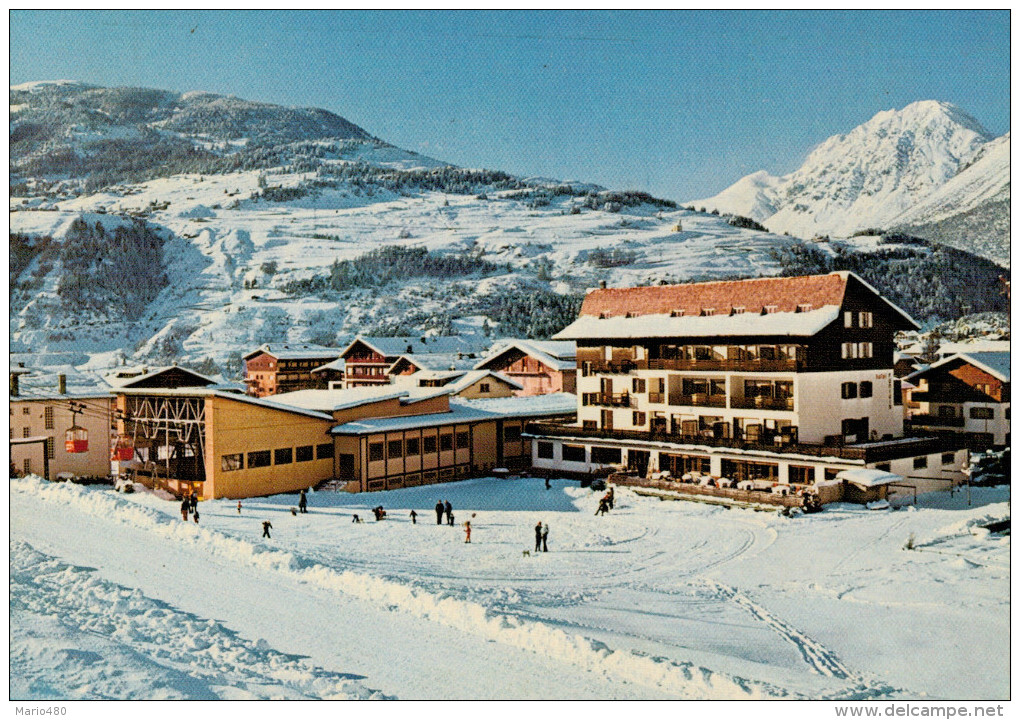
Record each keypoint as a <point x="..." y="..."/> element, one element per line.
<point x="682" y="679"/>
<point x="77" y="636"/>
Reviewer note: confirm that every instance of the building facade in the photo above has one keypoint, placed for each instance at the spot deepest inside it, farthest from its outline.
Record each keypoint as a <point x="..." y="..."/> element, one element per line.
<point x="49" y="418"/>
<point x="964" y="395"/>
<point x="785" y="379"/>
<point x="274" y="369"/>
<point x="541" y="367"/>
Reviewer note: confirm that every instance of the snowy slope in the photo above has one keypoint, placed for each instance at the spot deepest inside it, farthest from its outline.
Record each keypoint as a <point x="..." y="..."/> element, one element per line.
<point x="115" y="596"/>
<point x="869" y="177"/>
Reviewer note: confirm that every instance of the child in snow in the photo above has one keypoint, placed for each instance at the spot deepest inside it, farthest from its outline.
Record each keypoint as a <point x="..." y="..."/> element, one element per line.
<point x="467" y="531"/>
<point x="238" y="507"/>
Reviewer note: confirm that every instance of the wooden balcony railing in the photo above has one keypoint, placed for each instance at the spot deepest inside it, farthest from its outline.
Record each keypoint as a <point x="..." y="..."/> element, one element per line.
<point x="697" y="400"/>
<point x="762" y="403"/>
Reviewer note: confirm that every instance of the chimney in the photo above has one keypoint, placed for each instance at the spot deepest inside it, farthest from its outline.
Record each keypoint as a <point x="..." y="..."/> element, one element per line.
<point x="62" y="384"/>
<point x="602" y="284"/>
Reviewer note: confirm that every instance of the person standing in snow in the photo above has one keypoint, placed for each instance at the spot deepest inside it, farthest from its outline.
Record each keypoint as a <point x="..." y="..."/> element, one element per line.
<point x="610" y="497"/>
<point x="302" y="502"/>
<point x="439" y="512"/>
<point x="467" y="531"/>
<point x="185" y="506"/>
<point x="449" y="513"/>
<point x="545" y="537"/>
<point x="238" y="507"/>
<point x="193" y="501"/>
<point x="195" y="515"/>
<point x="548" y="485"/>
<point x="266" y="525"/>
<point x="414" y="518"/>
<point x="538" y="536"/>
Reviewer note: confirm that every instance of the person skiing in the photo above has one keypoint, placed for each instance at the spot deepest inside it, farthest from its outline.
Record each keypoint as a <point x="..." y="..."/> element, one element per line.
<point x="439" y="512"/>
<point x="266" y="525"/>
<point x="467" y="531"/>
<point x="414" y="518"/>
<point x="185" y="506"/>
<point x="538" y="536"/>
<point x="449" y="513"/>
<point x="238" y="507"/>
<point x="303" y="502"/>
<point x="545" y="537"/>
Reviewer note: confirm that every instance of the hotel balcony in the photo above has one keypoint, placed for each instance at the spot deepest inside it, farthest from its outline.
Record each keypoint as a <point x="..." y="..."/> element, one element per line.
<point x="936" y="421"/>
<point x="762" y="403"/>
<point x="747" y="365"/>
<point x="697" y="400"/>
<point x="606" y="399"/>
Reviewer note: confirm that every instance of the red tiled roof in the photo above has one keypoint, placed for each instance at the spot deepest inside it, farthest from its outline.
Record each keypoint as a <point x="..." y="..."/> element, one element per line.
<point x="786" y="294"/>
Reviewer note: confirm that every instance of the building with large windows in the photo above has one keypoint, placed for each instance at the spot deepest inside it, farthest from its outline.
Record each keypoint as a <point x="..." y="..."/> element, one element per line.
<point x="784" y="380"/>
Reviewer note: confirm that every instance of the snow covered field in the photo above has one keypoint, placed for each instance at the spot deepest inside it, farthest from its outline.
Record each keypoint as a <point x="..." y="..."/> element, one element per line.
<point x="113" y="596"/>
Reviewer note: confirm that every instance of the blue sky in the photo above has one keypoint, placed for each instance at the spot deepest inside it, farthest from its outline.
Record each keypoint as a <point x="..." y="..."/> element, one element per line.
<point x="680" y="104"/>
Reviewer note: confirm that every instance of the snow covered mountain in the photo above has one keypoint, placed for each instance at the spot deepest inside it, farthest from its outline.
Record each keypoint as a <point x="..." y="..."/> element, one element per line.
<point x="258" y="225"/>
<point x="926" y="163"/>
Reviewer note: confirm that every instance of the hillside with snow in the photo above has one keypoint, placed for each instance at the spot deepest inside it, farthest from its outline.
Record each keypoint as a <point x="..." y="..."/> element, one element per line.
<point x="927" y="166"/>
<point x="267" y="224"/>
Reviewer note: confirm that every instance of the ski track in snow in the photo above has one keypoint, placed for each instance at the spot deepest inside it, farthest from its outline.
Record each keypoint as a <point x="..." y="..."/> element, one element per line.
<point x="185" y="656"/>
<point x="680" y="679"/>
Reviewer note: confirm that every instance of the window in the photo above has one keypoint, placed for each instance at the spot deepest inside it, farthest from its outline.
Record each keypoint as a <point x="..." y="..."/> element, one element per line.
<point x="464" y="437"/>
<point x="375" y="452"/>
<point x="232" y="462"/>
<point x="803" y="307"/>
<point x="573" y="453"/>
<point x="848" y="319"/>
<point x="428" y="444"/>
<point x="303" y="453"/>
<point x="323" y="451"/>
<point x="27" y="465"/>
<point x="982" y="413"/>
<point x="446" y="442"/>
<point x="259" y="458"/>
<point x="770" y="309"/>
<point x="897" y="392"/>
<point x="25" y="432"/>
<point x="483" y="387"/>
<point x="948" y="458"/>
<point x="867" y="349"/>
<point x="394" y="449"/>
<point x="25" y="410"/>
<point x="801" y="475"/>
<point x="590" y="424"/>
<point x="545" y="450"/>
<point x="511" y="433"/>
<point x="882" y="466"/>
<point x="606" y="456"/>
<point x="639" y="418"/>
<point x="920" y="463"/>
<point x="283" y="456"/>
<point x="708" y="311"/>
<point x="639" y="385"/>
<point x="412" y="446"/>
<point x="865" y="319"/>
<point x="739" y="309"/>
<point x="49" y="448"/>
<point x="866" y="389"/>
<point x="48" y="417"/>
<point x="849" y="390"/>
<point x="831" y="473"/>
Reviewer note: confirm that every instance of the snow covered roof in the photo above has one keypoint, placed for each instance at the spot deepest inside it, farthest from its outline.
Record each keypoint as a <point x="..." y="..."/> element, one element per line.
<point x="436" y="361"/>
<point x="470" y="377"/>
<point x="995" y="364"/>
<point x="396" y="346"/>
<point x="780" y="324"/>
<point x="783" y="306"/>
<point x="291" y="351"/>
<point x="868" y="477"/>
<point x="338" y="364"/>
<point x="128" y="376"/>
<point x="973" y="346"/>
<point x="226" y="395"/>
<point x="464" y="411"/>
<point x="554" y="354"/>
<point x="343" y="399"/>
